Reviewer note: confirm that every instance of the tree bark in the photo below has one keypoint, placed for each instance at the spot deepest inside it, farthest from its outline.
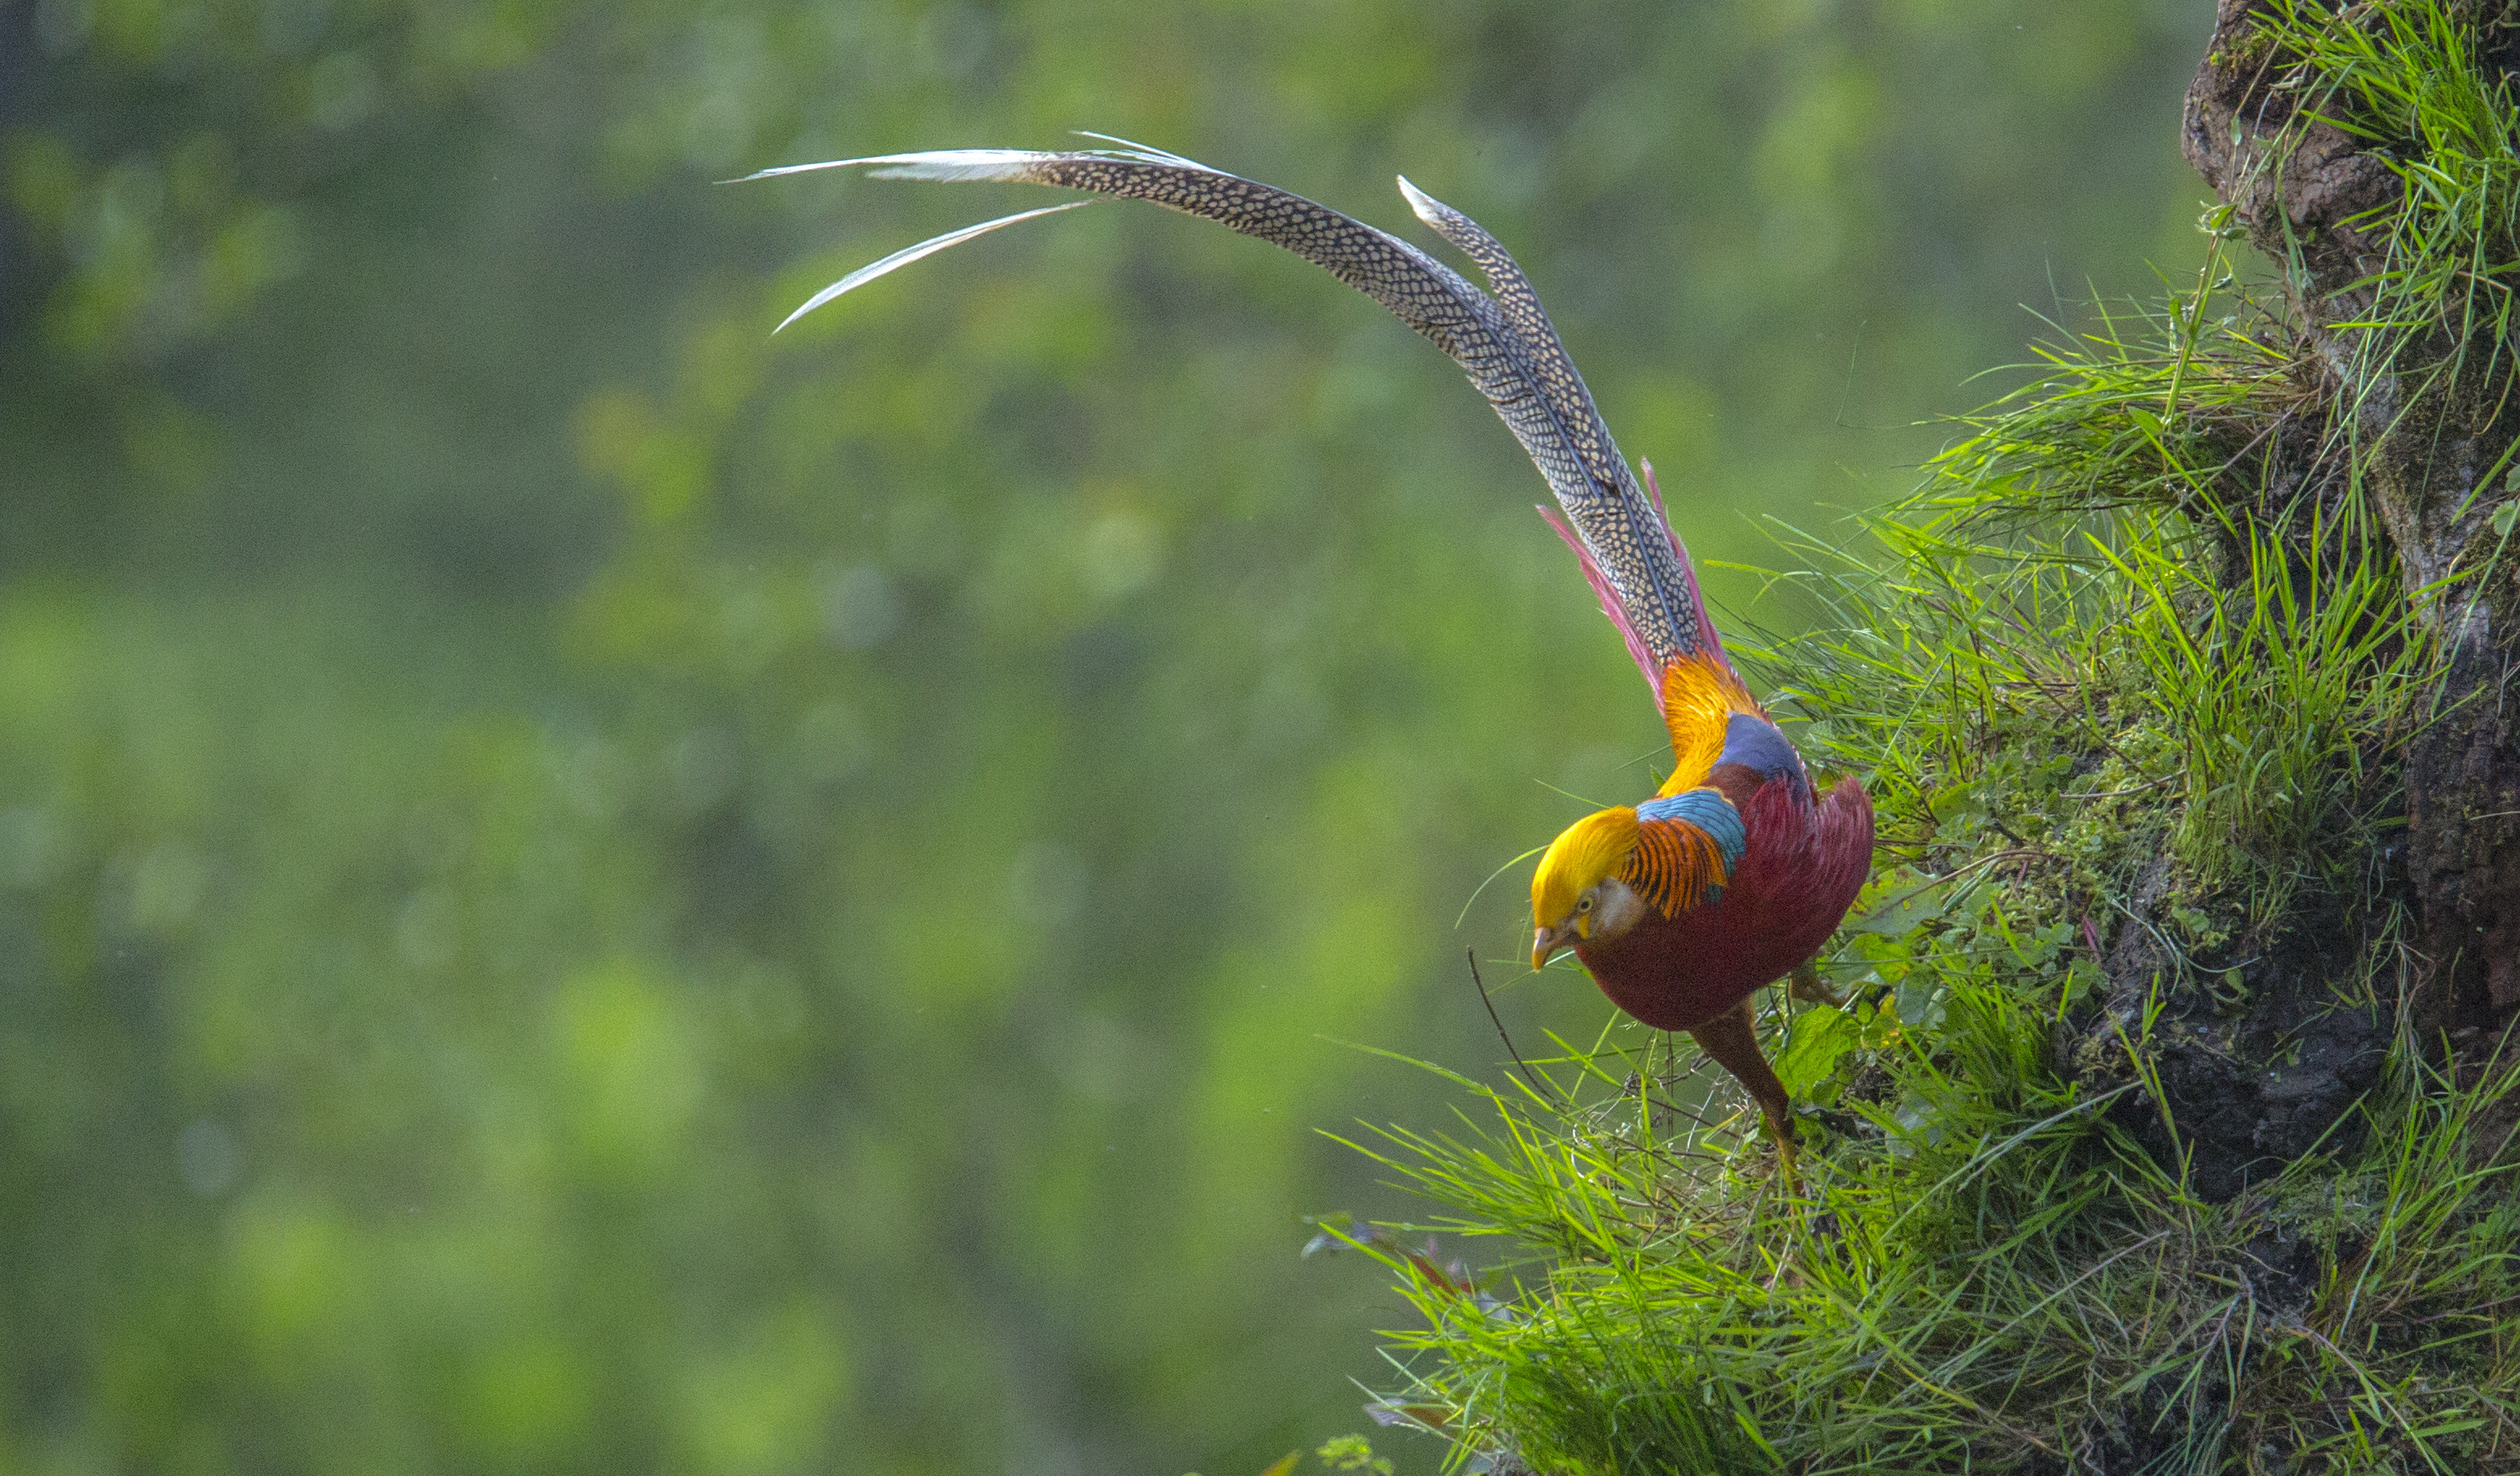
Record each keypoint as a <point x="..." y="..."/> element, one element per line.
<point x="2316" y="199"/>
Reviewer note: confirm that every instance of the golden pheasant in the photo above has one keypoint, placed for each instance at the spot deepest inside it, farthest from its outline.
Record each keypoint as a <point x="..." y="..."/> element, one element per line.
<point x="1735" y="872"/>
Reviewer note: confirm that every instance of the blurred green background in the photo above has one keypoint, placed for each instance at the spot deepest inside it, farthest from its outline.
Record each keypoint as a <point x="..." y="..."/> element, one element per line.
<point x="584" y="889"/>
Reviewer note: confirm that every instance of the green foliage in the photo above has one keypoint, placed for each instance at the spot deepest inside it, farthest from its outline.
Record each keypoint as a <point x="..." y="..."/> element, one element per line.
<point x="1353" y="1452"/>
<point x="2087" y="630"/>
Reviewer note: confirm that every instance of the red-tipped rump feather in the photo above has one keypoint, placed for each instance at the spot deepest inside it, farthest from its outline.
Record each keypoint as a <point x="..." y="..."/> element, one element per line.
<point x="1707" y="631"/>
<point x="1611" y="606"/>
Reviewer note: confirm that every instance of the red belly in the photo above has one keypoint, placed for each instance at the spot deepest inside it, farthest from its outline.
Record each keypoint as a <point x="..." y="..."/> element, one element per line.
<point x="1676" y="972"/>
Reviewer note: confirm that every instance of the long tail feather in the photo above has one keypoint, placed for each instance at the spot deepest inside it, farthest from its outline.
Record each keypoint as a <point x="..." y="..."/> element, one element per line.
<point x="1506" y="345"/>
<point x="1640" y="536"/>
<point x="1688" y="568"/>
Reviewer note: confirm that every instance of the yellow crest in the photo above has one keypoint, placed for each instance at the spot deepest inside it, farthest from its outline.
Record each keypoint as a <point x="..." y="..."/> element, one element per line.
<point x="1598" y="846"/>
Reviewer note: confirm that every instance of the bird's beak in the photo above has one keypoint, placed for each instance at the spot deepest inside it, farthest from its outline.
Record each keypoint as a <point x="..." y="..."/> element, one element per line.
<point x="1546" y="941"/>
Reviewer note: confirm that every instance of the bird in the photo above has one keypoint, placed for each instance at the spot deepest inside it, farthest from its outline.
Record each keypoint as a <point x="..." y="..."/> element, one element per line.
<point x="1736" y="870"/>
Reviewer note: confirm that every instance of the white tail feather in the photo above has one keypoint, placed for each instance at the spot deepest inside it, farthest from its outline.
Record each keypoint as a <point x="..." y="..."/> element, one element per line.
<point x="958" y="165"/>
<point x="907" y="254"/>
<point x="1426" y="208"/>
<point x="952" y="163"/>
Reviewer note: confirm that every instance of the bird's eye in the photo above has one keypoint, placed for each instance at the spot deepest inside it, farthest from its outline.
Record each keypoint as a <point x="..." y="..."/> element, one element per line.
<point x="1583" y="904"/>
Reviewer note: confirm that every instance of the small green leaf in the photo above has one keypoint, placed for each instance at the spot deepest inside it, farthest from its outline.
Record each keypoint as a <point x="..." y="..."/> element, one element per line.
<point x="1353" y="1452"/>
<point x="1918" y="1005"/>
<point x="2081" y="976"/>
<point x="2505" y="517"/>
<point x="1922" y="902"/>
<point x="1819" y="1036"/>
<point x="1876" y="1025"/>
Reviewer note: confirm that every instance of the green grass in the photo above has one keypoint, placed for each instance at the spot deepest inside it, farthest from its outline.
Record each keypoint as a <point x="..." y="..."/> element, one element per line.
<point x="2405" y="81"/>
<point x="2115" y="627"/>
<point x="2136" y="659"/>
<point x="1993" y="1276"/>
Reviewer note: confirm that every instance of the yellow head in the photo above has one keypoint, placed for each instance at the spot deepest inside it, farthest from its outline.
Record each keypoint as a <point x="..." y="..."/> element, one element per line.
<point x="1577" y="894"/>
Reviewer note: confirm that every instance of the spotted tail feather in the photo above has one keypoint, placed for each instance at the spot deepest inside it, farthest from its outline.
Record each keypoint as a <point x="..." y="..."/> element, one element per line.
<point x="1504" y="344"/>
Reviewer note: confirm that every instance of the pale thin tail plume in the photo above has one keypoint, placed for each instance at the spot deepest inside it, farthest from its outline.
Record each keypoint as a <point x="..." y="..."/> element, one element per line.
<point x="907" y="254"/>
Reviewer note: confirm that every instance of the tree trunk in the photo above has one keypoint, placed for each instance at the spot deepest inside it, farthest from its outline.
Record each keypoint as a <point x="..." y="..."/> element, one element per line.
<point x="2433" y="420"/>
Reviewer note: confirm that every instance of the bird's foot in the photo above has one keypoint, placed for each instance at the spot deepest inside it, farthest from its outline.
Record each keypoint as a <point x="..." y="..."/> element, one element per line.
<point x="1788" y="1152"/>
<point x="1805" y="984"/>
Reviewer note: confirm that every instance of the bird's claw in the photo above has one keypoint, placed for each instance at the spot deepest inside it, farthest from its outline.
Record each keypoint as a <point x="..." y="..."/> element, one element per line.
<point x="1805" y="984"/>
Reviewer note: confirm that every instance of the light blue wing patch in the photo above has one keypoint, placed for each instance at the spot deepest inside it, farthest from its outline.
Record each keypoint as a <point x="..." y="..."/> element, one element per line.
<point x="1710" y="812"/>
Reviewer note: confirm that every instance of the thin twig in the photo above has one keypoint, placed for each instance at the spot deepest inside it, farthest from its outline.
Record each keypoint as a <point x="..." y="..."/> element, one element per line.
<point x="1528" y="1078"/>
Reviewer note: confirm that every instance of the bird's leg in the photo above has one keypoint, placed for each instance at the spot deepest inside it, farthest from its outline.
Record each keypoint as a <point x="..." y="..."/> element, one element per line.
<point x="1805" y="984"/>
<point x="1733" y="1039"/>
